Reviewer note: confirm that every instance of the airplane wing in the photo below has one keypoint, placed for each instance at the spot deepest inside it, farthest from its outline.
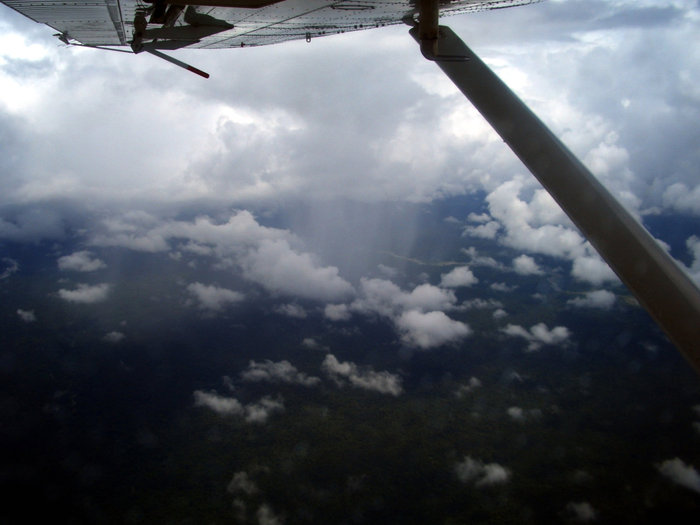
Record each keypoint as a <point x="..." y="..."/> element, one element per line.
<point x="214" y="24"/>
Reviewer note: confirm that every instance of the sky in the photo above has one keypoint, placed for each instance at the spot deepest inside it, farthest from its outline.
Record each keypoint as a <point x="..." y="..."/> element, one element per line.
<point x="119" y="146"/>
<point x="280" y="182"/>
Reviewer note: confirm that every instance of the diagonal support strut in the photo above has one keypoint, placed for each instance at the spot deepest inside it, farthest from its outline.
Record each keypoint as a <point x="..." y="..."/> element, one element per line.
<point x="657" y="281"/>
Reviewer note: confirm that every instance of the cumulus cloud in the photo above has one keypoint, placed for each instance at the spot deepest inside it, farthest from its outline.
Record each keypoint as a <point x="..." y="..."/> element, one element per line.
<point x="471" y="385"/>
<point x="82" y="261"/>
<point x="521" y="415"/>
<point x="592" y="269"/>
<point x="280" y="269"/>
<point x="602" y="299"/>
<point x="212" y="297"/>
<point x="693" y="245"/>
<point x="265" y="255"/>
<point x="281" y="371"/>
<point x="241" y="483"/>
<point x="85" y="293"/>
<point x="114" y="337"/>
<point x="427" y="330"/>
<point x="10" y="266"/>
<point x="503" y="287"/>
<point x="538" y="335"/>
<point x="367" y="379"/>
<point x="418" y="315"/>
<point x="292" y="310"/>
<point x="457" y="277"/>
<point x="337" y="312"/>
<point x="499" y="313"/>
<point x="583" y="512"/>
<point x="678" y="472"/>
<point x="526" y="265"/>
<point x="27" y="316"/>
<point x="480" y="474"/>
<point x="257" y="412"/>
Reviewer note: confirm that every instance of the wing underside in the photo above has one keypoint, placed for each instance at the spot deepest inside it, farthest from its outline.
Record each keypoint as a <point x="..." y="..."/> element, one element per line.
<point x="226" y="23"/>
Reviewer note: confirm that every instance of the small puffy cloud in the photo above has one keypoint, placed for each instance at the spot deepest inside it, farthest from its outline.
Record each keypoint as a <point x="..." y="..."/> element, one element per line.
<point x="82" y="261"/>
<point x="387" y="270"/>
<point x="539" y="335"/>
<point x="693" y="245"/>
<point x="85" y="293"/>
<point x="337" y="312"/>
<point x="280" y="269"/>
<point x="521" y="415"/>
<point x="596" y="299"/>
<point x="292" y="310"/>
<point x="367" y="379"/>
<point x="503" y="287"/>
<point x="457" y="277"/>
<point x="431" y="329"/>
<point x="499" y="313"/>
<point x="526" y="265"/>
<point x="582" y="512"/>
<point x="488" y="230"/>
<point x="282" y="372"/>
<point x="480" y="304"/>
<point x="241" y="483"/>
<point x="592" y="269"/>
<point x="9" y="266"/>
<point x="27" y="316"/>
<point x="480" y="218"/>
<point x="482" y="475"/>
<point x="516" y="413"/>
<point x="678" y="472"/>
<point x="312" y="344"/>
<point x="471" y="385"/>
<point x="386" y="298"/>
<point x="114" y="337"/>
<point x="266" y="516"/>
<point x="212" y="297"/>
<point x="257" y="412"/>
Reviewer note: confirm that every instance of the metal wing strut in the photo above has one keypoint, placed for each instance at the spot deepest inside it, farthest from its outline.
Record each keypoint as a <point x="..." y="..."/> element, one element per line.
<point x="657" y="281"/>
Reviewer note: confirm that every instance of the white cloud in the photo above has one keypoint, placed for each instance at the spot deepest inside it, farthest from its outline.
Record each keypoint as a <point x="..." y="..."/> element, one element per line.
<point x="417" y="315"/>
<point x="367" y="379"/>
<point x="292" y="310"/>
<point x="526" y="265"/>
<point x="459" y="276"/>
<point x="337" y="312"/>
<point x="82" y="261"/>
<point x="266" y="516"/>
<point x="257" y="412"/>
<point x="482" y="475"/>
<point x="11" y="266"/>
<point x="212" y="297"/>
<point x="583" y="512"/>
<point x="499" y="313"/>
<point x="281" y="371"/>
<point x="114" y="337"/>
<point x="516" y="413"/>
<point x="280" y="269"/>
<point x="678" y="472"/>
<point x="472" y="385"/>
<point x="602" y="299"/>
<point x="538" y="335"/>
<point x="85" y="293"/>
<point x="693" y="245"/>
<point x="503" y="287"/>
<point x="483" y="231"/>
<point x="241" y="483"/>
<point x="27" y="316"/>
<point x="431" y="329"/>
<point x="592" y="269"/>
